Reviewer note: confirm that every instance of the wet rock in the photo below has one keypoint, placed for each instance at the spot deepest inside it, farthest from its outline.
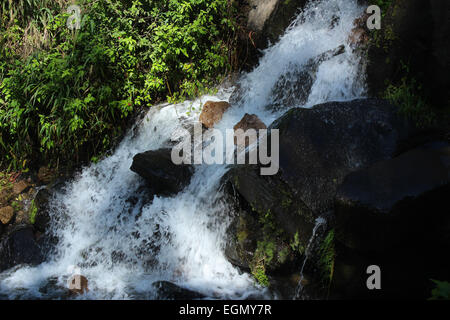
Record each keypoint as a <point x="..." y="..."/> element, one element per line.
<point x="377" y="208"/>
<point x="212" y="112"/>
<point x="266" y="21"/>
<point x="20" y="187"/>
<point x="6" y="215"/>
<point x="22" y="217"/>
<point x="249" y="121"/>
<point x="168" y="291"/>
<point x="161" y="173"/>
<point x="18" y="247"/>
<point x="294" y="87"/>
<point x="359" y="35"/>
<point x="78" y="284"/>
<point x="41" y="209"/>
<point x="319" y="147"/>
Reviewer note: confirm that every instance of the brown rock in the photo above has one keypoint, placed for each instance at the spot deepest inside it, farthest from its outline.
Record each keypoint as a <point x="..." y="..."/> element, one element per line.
<point x="212" y="112"/>
<point x="22" y="217"/>
<point x="78" y="284"/>
<point x="5" y="195"/>
<point x="20" y="187"/>
<point x="6" y="214"/>
<point x="46" y="175"/>
<point x="249" y="121"/>
<point x="359" y="33"/>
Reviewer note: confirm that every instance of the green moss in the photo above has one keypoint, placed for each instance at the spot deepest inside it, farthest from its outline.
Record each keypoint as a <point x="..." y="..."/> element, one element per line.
<point x="283" y="255"/>
<point x="259" y="272"/>
<point x="242" y="236"/>
<point x="16" y="205"/>
<point x="296" y="244"/>
<point x="33" y="212"/>
<point x="409" y="97"/>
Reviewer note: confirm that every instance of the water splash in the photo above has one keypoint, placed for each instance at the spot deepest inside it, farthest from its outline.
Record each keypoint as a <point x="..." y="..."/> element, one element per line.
<point x="320" y="221"/>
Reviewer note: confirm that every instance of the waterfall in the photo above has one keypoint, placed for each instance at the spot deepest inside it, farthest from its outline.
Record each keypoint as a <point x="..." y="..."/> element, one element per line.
<point x="122" y="241"/>
<point x="299" y="290"/>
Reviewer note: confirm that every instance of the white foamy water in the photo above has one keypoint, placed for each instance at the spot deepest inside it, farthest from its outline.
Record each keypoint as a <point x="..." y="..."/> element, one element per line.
<point x="123" y="242"/>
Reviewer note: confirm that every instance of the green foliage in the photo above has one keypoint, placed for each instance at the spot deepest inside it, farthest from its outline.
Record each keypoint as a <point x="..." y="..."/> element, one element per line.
<point x="326" y="258"/>
<point x="441" y="292"/>
<point x="408" y="95"/>
<point x="296" y="244"/>
<point x="259" y="272"/>
<point x="33" y="212"/>
<point x="383" y="4"/>
<point x="70" y="95"/>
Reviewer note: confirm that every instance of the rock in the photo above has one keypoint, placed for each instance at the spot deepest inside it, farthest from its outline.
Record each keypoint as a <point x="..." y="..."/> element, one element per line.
<point x="161" y="173"/>
<point x="212" y="112"/>
<point x="20" y="187"/>
<point x="78" y="284"/>
<point x="19" y="246"/>
<point x="359" y="35"/>
<point x="6" y="214"/>
<point x="22" y="217"/>
<point x="249" y="121"/>
<point x="5" y="195"/>
<point x="41" y="210"/>
<point x="168" y="291"/>
<point x="294" y="87"/>
<point x="318" y="148"/>
<point x="46" y="175"/>
<point x="266" y="21"/>
<point x="377" y="208"/>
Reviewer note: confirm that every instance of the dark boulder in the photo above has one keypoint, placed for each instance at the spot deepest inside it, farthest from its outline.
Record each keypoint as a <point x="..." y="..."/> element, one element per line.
<point x="161" y="173"/>
<point x="394" y="214"/>
<point x="41" y="207"/>
<point x="19" y="246"/>
<point x="318" y="148"/>
<point x="381" y="207"/>
<point x="168" y="291"/>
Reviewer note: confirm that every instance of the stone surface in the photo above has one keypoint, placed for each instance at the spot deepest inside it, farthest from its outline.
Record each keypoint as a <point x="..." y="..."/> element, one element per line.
<point x="318" y="148"/>
<point x="249" y="121"/>
<point x="78" y="284"/>
<point x="20" y="187"/>
<point x="380" y="207"/>
<point x="18" y="247"/>
<point x="42" y="214"/>
<point x="212" y="112"/>
<point x="162" y="175"/>
<point x="6" y="214"/>
<point x="169" y="291"/>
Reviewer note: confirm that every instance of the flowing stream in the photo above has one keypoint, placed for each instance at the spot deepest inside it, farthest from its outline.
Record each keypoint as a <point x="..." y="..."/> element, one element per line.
<point x="123" y="242"/>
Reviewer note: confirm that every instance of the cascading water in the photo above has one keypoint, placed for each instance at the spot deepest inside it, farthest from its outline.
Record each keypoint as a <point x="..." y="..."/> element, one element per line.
<point x="123" y="242"/>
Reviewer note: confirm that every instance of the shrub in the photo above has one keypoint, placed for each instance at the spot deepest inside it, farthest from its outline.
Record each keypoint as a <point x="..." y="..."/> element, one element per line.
<point x="69" y="97"/>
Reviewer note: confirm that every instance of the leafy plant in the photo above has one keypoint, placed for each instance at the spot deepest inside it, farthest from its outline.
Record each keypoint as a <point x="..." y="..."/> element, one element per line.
<point x="67" y="95"/>
<point x="441" y="292"/>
